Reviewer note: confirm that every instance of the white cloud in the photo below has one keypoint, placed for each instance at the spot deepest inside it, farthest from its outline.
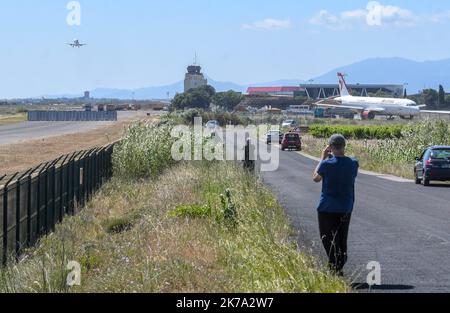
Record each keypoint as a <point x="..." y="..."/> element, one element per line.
<point x="375" y="14"/>
<point x="324" y="18"/>
<point x="378" y="14"/>
<point x="355" y="14"/>
<point x="269" y="23"/>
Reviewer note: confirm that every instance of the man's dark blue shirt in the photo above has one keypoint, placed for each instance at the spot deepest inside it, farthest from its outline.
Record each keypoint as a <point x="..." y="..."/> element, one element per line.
<point x="338" y="186"/>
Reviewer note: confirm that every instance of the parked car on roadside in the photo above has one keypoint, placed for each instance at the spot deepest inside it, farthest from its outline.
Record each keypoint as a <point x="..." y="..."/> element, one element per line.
<point x="291" y="141"/>
<point x="274" y="134"/>
<point x="433" y="165"/>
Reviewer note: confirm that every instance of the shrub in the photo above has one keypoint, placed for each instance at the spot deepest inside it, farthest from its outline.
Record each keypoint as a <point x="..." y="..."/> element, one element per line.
<point x="229" y="209"/>
<point x="357" y="132"/>
<point x="119" y="225"/>
<point x="145" y="151"/>
<point x="191" y="211"/>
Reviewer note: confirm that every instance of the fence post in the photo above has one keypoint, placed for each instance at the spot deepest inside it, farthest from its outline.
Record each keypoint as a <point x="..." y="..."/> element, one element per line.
<point x="5" y="220"/>
<point x="49" y="197"/>
<point x="2" y="208"/>
<point x="4" y="242"/>
<point x="29" y="205"/>
<point x="39" y="200"/>
<point x="19" y="212"/>
<point x="73" y="179"/>
<point x="61" y="207"/>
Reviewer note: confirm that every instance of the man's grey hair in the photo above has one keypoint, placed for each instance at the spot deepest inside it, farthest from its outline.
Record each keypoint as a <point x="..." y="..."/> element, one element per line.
<point x="337" y="141"/>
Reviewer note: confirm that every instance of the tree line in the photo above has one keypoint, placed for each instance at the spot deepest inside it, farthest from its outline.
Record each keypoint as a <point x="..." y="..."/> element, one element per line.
<point x="435" y="99"/>
<point x="202" y="98"/>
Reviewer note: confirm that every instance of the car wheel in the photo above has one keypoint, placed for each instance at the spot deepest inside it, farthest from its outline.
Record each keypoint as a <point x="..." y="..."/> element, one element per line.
<point x="418" y="180"/>
<point x="425" y="181"/>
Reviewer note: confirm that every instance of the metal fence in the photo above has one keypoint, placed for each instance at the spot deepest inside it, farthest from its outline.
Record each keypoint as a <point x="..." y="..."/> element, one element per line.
<point x="72" y="116"/>
<point x="33" y="202"/>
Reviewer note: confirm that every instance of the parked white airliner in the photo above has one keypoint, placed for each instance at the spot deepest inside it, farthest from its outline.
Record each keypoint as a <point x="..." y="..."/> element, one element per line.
<point x="369" y="107"/>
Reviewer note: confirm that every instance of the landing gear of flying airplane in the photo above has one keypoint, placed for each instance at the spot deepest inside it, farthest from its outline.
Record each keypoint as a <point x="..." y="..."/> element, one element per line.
<point x="410" y="117"/>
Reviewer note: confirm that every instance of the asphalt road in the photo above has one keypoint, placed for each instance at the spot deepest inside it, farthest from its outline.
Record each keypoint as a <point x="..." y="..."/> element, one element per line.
<point x="404" y="227"/>
<point x="23" y="131"/>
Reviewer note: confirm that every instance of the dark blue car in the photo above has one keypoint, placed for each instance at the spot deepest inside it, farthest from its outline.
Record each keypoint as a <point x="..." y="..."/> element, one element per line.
<point x="433" y="164"/>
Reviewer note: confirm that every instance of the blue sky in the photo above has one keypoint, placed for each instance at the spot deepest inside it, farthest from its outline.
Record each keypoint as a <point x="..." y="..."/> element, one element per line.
<point x="140" y="43"/>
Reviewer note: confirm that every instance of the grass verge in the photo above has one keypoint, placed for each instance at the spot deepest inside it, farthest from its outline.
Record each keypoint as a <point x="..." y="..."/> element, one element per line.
<point x="169" y="234"/>
<point x="12" y="119"/>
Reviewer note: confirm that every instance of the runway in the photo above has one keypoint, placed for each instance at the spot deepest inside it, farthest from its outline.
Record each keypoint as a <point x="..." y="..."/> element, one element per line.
<point x="24" y="131"/>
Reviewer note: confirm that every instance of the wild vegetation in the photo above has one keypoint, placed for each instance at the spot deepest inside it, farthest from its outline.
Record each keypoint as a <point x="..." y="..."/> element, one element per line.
<point x="173" y="227"/>
<point x="414" y="139"/>
<point x="202" y="97"/>
<point x="145" y="150"/>
<point x="357" y="131"/>
<point x="391" y="155"/>
<point x="12" y="118"/>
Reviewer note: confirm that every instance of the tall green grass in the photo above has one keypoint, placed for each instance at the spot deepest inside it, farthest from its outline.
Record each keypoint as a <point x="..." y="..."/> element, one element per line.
<point x="415" y="138"/>
<point x="391" y="155"/>
<point x="145" y="151"/>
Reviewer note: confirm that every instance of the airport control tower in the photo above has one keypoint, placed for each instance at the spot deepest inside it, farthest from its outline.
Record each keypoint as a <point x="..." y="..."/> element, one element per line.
<point x="194" y="77"/>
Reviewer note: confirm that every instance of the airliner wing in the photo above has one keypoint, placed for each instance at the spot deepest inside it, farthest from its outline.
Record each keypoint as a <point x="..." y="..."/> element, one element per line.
<point x="326" y="99"/>
<point x="350" y="107"/>
<point x="435" y="112"/>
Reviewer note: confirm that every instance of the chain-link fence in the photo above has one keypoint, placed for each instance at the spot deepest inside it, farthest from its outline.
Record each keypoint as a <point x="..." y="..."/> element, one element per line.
<point x="33" y="202"/>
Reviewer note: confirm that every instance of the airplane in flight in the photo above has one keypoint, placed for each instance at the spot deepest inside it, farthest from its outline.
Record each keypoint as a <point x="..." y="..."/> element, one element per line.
<point x="369" y="107"/>
<point x="76" y="44"/>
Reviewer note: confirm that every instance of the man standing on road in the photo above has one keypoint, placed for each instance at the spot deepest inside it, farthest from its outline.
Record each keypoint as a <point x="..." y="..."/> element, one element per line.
<point x="337" y="174"/>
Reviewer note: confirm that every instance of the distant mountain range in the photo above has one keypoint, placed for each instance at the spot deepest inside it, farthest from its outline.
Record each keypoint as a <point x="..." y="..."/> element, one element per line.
<point x="418" y="75"/>
<point x="160" y="92"/>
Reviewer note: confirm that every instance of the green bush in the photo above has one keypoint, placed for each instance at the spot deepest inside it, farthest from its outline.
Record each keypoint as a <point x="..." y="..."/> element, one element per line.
<point x="357" y="132"/>
<point x="191" y="211"/>
<point x="145" y="151"/>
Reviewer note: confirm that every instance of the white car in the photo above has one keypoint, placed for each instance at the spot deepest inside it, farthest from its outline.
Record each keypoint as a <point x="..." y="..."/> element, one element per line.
<point x="289" y="124"/>
<point x="212" y="125"/>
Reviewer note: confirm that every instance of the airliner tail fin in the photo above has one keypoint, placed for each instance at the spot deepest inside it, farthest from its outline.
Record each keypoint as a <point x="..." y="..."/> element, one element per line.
<point x="343" y="85"/>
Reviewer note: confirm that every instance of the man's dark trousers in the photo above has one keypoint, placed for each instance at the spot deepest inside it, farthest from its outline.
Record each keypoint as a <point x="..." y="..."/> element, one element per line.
<point x="334" y="233"/>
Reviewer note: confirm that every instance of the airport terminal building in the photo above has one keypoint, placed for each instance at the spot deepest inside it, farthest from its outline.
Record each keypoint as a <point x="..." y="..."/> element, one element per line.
<point x="322" y="91"/>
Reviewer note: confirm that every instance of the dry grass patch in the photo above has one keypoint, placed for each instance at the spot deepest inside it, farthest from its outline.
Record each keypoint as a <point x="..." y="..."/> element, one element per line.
<point x="12" y="119"/>
<point x="24" y="155"/>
